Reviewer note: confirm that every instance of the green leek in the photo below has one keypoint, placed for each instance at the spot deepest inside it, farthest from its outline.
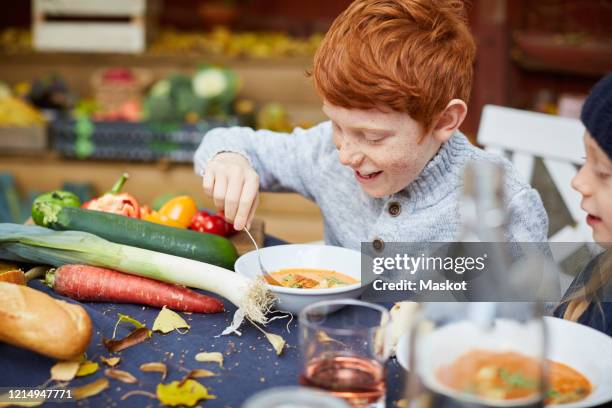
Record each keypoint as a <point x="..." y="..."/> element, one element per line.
<point x="45" y="246"/>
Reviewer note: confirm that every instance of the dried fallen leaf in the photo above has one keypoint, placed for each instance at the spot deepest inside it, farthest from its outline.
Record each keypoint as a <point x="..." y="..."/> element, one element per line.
<point x="7" y="397"/>
<point x="65" y="370"/>
<point x="16" y="276"/>
<point x="111" y="362"/>
<point x="200" y="373"/>
<point x="91" y="389"/>
<point x="403" y="403"/>
<point x="323" y="337"/>
<point x="155" y="367"/>
<point x="86" y="368"/>
<point x="7" y="266"/>
<point x="18" y="404"/>
<point x="277" y="342"/>
<point x="120" y="375"/>
<point x="127" y="319"/>
<point x="197" y="373"/>
<point x="138" y="392"/>
<point x="81" y="358"/>
<point x="168" y="320"/>
<point x="135" y="337"/>
<point x="214" y="357"/>
<point x="187" y="394"/>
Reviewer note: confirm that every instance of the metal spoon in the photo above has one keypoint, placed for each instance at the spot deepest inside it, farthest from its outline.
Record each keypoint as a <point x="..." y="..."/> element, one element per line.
<point x="269" y="278"/>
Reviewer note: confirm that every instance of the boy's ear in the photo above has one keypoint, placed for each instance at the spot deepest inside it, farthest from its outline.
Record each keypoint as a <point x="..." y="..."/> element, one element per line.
<point x="449" y="120"/>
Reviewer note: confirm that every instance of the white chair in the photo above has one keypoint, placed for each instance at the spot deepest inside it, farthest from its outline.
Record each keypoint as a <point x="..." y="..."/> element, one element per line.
<point x="558" y="141"/>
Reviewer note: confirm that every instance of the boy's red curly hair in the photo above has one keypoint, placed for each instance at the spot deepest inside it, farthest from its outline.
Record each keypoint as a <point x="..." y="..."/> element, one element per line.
<point x="411" y="56"/>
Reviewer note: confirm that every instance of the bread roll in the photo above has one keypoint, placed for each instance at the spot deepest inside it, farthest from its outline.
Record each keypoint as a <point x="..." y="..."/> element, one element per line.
<point x="34" y="320"/>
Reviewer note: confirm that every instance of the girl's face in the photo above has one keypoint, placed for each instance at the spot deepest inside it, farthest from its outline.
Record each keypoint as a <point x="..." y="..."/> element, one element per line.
<point x="594" y="182"/>
<point x="386" y="150"/>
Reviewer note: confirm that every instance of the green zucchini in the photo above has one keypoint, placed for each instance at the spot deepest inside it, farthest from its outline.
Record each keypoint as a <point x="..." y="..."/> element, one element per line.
<point x="209" y="248"/>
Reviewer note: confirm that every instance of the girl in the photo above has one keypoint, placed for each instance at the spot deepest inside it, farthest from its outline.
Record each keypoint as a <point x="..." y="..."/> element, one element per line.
<point x="589" y="297"/>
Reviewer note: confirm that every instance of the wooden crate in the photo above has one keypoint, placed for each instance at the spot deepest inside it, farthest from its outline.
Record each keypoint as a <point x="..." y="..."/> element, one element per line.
<point x="23" y="139"/>
<point x="93" y="25"/>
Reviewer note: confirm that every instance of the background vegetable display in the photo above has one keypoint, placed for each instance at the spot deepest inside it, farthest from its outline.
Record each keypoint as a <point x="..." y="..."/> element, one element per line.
<point x="142" y="234"/>
<point x="90" y="283"/>
<point x="217" y="86"/>
<point x="17" y="112"/>
<point x="35" y="244"/>
<point x="209" y="93"/>
<point x="172" y="100"/>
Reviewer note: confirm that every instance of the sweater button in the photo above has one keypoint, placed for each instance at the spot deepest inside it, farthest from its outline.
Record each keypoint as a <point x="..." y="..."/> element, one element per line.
<point x="378" y="244"/>
<point x="395" y="209"/>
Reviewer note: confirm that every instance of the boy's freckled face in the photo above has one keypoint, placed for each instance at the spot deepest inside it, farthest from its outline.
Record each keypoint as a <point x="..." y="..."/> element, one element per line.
<point x="386" y="151"/>
<point x="594" y="182"/>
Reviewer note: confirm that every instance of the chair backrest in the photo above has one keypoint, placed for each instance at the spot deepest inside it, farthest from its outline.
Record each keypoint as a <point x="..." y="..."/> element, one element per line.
<point x="557" y="140"/>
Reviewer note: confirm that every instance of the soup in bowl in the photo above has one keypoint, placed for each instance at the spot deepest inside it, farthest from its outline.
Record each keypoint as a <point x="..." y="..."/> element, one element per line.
<point x="308" y="273"/>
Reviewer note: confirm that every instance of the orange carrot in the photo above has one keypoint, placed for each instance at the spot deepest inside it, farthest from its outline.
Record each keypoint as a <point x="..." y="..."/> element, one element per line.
<point x="94" y="284"/>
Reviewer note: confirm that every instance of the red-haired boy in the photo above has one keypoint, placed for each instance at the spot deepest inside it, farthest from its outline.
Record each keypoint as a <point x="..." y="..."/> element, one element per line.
<point x="394" y="77"/>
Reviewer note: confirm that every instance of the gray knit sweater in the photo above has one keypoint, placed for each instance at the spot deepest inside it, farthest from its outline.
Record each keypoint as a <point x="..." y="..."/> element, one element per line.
<point x="306" y="162"/>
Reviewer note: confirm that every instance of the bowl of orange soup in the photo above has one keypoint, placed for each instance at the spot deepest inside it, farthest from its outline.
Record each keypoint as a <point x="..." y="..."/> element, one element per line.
<point x="308" y="273"/>
<point x="578" y="364"/>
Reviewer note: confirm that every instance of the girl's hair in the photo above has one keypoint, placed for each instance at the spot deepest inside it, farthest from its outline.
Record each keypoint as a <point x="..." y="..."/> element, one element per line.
<point x="409" y="56"/>
<point x="579" y="301"/>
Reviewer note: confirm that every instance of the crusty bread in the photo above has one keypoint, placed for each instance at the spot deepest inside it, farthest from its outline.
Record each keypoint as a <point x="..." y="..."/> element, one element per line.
<point x="34" y="320"/>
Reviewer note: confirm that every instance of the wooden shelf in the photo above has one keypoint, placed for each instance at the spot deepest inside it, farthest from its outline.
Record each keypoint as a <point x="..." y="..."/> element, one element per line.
<point x="280" y="80"/>
<point x="147" y="59"/>
<point x="562" y="54"/>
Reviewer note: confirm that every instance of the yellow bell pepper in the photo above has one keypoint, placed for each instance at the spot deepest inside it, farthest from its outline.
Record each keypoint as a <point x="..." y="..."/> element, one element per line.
<point x="180" y="209"/>
<point x="157" y="218"/>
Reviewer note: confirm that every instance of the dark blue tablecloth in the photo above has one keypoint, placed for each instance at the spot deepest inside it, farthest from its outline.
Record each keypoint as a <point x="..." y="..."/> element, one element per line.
<point x="250" y="364"/>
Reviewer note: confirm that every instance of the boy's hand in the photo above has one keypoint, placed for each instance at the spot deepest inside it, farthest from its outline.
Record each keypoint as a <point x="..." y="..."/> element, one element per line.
<point x="234" y="186"/>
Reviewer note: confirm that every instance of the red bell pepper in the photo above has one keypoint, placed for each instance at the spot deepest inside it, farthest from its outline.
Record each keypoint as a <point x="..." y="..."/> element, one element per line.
<point x="229" y="227"/>
<point x="211" y="223"/>
<point x="115" y="202"/>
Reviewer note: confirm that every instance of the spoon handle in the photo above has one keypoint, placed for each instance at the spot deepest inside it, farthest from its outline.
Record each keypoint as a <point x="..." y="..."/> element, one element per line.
<point x="269" y="278"/>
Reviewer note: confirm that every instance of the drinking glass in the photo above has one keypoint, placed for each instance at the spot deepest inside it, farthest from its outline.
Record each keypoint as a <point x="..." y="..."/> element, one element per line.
<point x="293" y="397"/>
<point x="345" y="345"/>
<point x="480" y="354"/>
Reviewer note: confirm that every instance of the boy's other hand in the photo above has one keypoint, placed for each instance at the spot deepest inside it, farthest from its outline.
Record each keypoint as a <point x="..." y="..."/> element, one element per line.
<point x="234" y="186"/>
